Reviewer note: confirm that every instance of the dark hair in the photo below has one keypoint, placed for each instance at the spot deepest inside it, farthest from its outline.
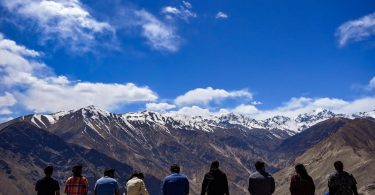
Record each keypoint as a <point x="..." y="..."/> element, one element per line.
<point x="259" y="165"/>
<point x="48" y="170"/>
<point x="215" y="164"/>
<point x="77" y="170"/>
<point x="301" y="171"/>
<point x="175" y="168"/>
<point x="109" y="172"/>
<point x="339" y="166"/>
<point x="136" y="174"/>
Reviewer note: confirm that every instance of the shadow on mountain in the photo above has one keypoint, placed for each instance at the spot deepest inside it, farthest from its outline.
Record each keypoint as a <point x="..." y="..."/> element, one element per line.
<point x="25" y="150"/>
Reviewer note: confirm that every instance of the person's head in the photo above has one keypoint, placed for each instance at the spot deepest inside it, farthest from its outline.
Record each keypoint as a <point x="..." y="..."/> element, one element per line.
<point x="214" y="164"/>
<point x="137" y="174"/>
<point x="259" y="166"/>
<point x="301" y="170"/>
<point x="48" y="171"/>
<point x="175" y="168"/>
<point x="339" y="166"/>
<point x="77" y="170"/>
<point x="109" y="172"/>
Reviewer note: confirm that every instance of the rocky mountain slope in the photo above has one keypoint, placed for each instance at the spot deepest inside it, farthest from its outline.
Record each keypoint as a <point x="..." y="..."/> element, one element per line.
<point x="25" y="150"/>
<point x="353" y="143"/>
<point x="151" y="141"/>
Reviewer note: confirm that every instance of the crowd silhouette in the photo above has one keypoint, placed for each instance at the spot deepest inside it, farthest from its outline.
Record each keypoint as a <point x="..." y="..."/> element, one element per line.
<point x="214" y="182"/>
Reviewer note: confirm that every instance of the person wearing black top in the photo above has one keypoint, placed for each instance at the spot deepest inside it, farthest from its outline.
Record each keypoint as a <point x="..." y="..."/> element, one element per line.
<point x="215" y="181"/>
<point x="47" y="185"/>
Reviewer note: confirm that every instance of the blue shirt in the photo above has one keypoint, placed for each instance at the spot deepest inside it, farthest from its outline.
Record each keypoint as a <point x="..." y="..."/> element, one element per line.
<point x="176" y="184"/>
<point x="106" y="186"/>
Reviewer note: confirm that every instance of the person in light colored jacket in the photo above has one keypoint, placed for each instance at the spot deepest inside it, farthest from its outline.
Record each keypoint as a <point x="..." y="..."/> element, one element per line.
<point x="135" y="185"/>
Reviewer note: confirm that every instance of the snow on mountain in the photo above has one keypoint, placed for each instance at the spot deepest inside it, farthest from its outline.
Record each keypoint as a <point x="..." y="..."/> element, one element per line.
<point x="97" y="118"/>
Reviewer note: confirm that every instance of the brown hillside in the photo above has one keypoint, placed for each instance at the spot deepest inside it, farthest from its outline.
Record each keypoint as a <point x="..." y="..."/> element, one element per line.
<point x="354" y="144"/>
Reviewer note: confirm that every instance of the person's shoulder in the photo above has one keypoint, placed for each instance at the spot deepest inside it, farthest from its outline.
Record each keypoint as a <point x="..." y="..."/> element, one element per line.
<point x="69" y="179"/>
<point x="254" y="174"/>
<point x="295" y="177"/>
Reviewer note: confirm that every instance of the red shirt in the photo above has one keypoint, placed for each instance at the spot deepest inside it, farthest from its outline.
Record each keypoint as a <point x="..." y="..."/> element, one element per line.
<point x="76" y="186"/>
<point x="302" y="186"/>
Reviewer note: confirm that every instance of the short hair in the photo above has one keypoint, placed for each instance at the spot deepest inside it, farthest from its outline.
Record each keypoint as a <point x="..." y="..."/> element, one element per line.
<point x="175" y="168"/>
<point x="259" y="165"/>
<point x="215" y="164"/>
<point x="109" y="172"/>
<point x="48" y="170"/>
<point x="339" y="166"/>
<point x="77" y="170"/>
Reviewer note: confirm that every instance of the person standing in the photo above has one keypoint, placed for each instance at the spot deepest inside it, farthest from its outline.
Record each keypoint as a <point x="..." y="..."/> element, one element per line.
<point x="47" y="185"/>
<point x="215" y="181"/>
<point x="135" y="185"/>
<point x="341" y="182"/>
<point x="107" y="185"/>
<point x="176" y="183"/>
<point x="261" y="182"/>
<point x="76" y="184"/>
<point x="301" y="183"/>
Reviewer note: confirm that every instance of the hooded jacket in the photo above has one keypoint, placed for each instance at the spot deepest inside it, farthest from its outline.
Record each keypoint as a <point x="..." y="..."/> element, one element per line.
<point x="261" y="183"/>
<point x="215" y="183"/>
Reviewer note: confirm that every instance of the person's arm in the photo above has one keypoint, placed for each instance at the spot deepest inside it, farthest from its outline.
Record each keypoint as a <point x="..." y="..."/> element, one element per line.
<point x="331" y="187"/>
<point x="272" y="185"/>
<point x="37" y="186"/>
<point x="165" y="187"/>
<point x="204" y="186"/>
<point x="292" y="187"/>
<point x="66" y="186"/>
<point x="226" y="187"/>
<point x="186" y="186"/>
<point x="250" y="188"/>
<point x="57" y="188"/>
<point x="86" y="186"/>
<point x="117" y="191"/>
<point x="144" y="189"/>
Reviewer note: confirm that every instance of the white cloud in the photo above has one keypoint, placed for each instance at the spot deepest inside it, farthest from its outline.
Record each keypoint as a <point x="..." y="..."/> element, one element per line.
<point x="245" y="109"/>
<point x="159" y="107"/>
<point x="35" y="86"/>
<point x="192" y="111"/>
<point x="296" y="106"/>
<point x="7" y="100"/>
<point x="371" y="85"/>
<point x="356" y="30"/>
<point x="5" y="119"/>
<point x="203" y="96"/>
<point x="221" y="15"/>
<point x="183" y="12"/>
<point x="65" y="20"/>
<point x="160" y="36"/>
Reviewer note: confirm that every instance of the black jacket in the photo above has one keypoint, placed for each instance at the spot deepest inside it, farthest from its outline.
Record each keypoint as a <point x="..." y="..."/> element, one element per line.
<point x="215" y="183"/>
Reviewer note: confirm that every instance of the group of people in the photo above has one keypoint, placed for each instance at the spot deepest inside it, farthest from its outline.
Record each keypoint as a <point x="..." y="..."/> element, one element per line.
<point x="214" y="182"/>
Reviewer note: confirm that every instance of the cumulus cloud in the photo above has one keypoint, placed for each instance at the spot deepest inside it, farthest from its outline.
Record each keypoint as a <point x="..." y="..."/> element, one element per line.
<point x="203" y="96"/>
<point x="221" y="15"/>
<point x="65" y="20"/>
<point x="159" y="35"/>
<point x="159" y="107"/>
<point x="183" y="12"/>
<point x="245" y="109"/>
<point x="356" y="30"/>
<point x="34" y="85"/>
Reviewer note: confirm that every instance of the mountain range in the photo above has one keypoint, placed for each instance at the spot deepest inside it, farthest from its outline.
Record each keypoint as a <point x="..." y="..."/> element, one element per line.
<point x="151" y="142"/>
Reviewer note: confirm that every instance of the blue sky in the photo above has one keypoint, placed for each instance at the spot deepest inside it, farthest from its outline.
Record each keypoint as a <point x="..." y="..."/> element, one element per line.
<point x="258" y="57"/>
